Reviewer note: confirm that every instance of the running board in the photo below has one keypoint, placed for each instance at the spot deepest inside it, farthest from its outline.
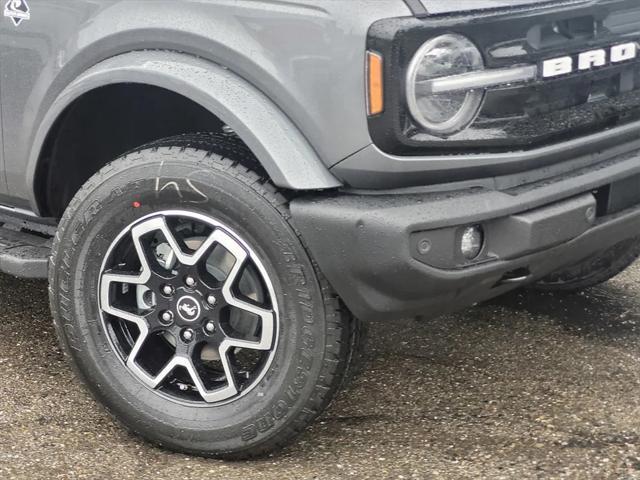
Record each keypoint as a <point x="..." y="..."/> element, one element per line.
<point x="23" y="254"/>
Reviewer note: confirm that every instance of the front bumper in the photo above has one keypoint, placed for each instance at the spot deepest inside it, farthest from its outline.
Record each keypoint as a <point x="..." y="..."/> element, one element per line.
<point x="367" y="245"/>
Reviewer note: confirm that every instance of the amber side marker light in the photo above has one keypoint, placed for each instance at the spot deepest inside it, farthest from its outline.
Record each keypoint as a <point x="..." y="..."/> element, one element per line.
<point x="375" y="95"/>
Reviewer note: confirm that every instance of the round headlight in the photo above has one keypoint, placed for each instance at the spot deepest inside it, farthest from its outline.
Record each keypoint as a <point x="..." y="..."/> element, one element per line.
<point x="447" y="113"/>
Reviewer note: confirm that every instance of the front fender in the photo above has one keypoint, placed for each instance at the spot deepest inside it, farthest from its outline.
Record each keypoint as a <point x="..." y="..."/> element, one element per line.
<point x="281" y="148"/>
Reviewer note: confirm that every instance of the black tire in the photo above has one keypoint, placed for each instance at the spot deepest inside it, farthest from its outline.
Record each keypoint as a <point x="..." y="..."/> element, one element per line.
<point x="593" y="271"/>
<point x="313" y="341"/>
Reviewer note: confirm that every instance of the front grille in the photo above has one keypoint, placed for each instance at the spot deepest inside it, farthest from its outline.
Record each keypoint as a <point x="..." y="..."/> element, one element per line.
<point x="527" y="116"/>
<point x="553" y="111"/>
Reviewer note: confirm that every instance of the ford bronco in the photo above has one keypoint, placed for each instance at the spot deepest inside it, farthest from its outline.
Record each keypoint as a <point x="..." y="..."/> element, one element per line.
<point x="219" y="192"/>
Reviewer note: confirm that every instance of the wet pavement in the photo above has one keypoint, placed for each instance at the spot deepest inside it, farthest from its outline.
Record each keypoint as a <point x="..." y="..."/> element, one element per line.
<point x="528" y="386"/>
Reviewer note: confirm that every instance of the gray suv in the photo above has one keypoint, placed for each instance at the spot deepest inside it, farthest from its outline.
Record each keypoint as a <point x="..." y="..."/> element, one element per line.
<point x="220" y="192"/>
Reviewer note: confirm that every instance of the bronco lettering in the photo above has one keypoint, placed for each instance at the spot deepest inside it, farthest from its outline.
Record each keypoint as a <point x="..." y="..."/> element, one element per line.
<point x="589" y="60"/>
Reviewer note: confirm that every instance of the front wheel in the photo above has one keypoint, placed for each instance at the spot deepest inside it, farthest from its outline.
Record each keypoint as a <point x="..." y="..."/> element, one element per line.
<point x="188" y="305"/>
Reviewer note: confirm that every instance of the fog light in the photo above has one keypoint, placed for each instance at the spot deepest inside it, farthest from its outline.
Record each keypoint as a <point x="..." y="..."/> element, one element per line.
<point x="472" y="242"/>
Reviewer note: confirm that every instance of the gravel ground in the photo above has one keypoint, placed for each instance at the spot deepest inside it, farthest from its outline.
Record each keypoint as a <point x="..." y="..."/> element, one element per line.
<point x="528" y="386"/>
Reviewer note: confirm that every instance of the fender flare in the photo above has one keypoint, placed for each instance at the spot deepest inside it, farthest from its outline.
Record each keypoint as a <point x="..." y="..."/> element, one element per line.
<point x="277" y="143"/>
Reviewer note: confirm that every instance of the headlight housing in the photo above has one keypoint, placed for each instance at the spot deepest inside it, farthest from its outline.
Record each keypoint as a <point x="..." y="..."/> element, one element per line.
<point x="444" y="113"/>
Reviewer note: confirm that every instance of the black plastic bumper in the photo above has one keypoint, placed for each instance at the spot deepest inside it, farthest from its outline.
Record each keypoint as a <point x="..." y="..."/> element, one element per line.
<point x="368" y="245"/>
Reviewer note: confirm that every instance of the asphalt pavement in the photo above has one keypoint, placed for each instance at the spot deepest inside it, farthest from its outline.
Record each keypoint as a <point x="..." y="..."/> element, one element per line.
<point x="527" y="386"/>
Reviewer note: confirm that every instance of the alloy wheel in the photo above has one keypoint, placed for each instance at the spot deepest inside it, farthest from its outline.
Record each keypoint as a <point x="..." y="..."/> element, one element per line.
<point x="189" y="307"/>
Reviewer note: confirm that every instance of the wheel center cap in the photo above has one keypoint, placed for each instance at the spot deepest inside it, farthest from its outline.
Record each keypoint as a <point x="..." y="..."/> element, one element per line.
<point x="188" y="308"/>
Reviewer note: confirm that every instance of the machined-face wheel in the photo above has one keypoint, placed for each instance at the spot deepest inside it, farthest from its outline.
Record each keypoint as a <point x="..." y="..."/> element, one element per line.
<point x="188" y="307"/>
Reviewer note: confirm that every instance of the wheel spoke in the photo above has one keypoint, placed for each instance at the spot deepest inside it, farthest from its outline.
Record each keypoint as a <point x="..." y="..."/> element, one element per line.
<point x="267" y="317"/>
<point x="160" y="224"/>
<point x="107" y="280"/>
<point x="217" y="394"/>
<point x="141" y="278"/>
<point x="156" y="381"/>
<point x="267" y="321"/>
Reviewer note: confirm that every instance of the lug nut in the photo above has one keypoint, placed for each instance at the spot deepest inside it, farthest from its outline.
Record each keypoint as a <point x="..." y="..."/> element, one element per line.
<point x="167" y="316"/>
<point x="187" y="335"/>
<point x="210" y="327"/>
<point x="211" y="300"/>
<point x="167" y="290"/>
<point x="190" y="281"/>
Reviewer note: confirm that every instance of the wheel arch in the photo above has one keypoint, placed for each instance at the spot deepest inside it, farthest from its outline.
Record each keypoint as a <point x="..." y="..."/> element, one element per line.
<point x="279" y="146"/>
